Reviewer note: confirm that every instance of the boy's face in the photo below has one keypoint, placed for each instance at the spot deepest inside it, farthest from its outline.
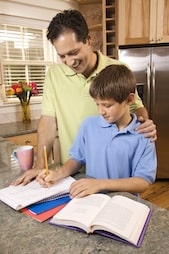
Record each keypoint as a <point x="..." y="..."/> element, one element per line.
<point x="112" y="111"/>
<point x="73" y="53"/>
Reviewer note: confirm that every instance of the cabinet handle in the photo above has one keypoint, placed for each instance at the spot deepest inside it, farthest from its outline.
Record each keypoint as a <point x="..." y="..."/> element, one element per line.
<point x="27" y="142"/>
<point x="159" y="39"/>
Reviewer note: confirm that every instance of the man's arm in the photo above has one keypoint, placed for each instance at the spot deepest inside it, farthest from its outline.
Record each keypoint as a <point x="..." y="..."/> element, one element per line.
<point x="147" y="126"/>
<point x="46" y="136"/>
<point x="142" y="112"/>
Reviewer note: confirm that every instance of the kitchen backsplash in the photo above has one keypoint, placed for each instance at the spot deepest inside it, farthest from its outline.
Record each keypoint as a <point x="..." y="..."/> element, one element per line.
<point x="13" y="114"/>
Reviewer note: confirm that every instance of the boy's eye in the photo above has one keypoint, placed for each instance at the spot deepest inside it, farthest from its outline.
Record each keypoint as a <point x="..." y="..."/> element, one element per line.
<point x="107" y="106"/>
<point x="104" y="105"/>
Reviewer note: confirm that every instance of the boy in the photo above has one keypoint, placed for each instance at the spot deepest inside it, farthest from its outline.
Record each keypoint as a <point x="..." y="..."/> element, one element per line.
<point x="114" y="153"/>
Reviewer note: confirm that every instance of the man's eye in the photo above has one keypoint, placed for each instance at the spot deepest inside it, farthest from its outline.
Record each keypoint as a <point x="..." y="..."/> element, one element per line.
<point x="74" y="53"/>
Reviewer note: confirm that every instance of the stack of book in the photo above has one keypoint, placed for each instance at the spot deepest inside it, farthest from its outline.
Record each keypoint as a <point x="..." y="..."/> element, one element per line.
<point x="35" y="201"/>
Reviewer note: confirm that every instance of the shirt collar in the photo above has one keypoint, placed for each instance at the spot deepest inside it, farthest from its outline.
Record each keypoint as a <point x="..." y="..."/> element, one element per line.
<point x="129" y="128"/>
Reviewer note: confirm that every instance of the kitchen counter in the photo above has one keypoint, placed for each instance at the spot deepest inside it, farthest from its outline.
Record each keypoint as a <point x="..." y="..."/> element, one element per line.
<point x="22" y="234"/>
<point x="18" y="128"/>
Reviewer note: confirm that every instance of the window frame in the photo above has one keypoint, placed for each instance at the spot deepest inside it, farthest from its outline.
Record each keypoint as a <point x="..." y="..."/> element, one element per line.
<point x="50" y="57"/>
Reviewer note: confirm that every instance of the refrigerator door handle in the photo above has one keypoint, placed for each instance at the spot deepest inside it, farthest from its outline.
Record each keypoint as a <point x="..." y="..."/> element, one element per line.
<point x="148" y="86"/>
<point x="153" y="84"/>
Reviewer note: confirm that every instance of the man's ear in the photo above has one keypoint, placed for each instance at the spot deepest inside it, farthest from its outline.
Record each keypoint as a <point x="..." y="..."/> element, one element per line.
<point x="131" y="98"/>
<point x="88" y="39"/>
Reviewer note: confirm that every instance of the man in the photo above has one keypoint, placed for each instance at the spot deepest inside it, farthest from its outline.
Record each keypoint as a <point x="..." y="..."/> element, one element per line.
<point x="66" y="99"/>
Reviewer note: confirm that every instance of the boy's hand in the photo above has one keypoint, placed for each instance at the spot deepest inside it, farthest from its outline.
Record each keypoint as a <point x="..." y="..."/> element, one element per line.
<point x="84" y="187"/>
<point x="48" y="180"/>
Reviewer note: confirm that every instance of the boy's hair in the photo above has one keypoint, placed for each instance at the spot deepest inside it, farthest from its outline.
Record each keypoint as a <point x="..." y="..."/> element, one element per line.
<point x="113" y="82"/>
<point x="68" y="20"/>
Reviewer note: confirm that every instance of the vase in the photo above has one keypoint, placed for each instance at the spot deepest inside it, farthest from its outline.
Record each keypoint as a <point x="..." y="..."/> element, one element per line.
<point x="26" y="114"/>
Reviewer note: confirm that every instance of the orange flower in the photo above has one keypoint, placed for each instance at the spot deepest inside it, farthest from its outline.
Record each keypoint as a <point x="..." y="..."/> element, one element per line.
<point x="10" y="91"/>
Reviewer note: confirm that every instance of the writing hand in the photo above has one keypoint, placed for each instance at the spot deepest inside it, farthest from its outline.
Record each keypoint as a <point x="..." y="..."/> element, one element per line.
<point x="48" y="180"/>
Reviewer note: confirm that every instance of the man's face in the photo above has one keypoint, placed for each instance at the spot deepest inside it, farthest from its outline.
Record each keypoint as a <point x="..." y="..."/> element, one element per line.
<point x="73" y="53"/>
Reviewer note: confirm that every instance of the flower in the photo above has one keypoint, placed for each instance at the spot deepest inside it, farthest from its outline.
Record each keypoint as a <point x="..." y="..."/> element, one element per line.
<point x="23" y="90"/>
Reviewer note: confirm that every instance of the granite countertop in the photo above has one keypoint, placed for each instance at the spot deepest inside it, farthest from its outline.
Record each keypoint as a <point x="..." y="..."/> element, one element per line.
<point x="22" y="234"/>
<point x="18" y="128"/>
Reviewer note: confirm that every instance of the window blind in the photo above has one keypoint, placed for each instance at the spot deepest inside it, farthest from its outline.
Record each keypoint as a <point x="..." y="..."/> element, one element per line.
<point x="26" y="54"/>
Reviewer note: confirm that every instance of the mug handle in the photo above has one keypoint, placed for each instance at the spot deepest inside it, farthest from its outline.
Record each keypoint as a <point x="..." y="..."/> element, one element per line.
<point x="14" y="155"/>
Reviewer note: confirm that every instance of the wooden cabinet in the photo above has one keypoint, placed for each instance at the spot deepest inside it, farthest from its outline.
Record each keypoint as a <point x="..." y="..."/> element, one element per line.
<point x="101" y="17"/>
<point x="31" y="139"/>
<point x="92" y="12"/>
<point x="56" y="151"/>
<point x="26" y="139"/>
<point x="110" y="27"/>
<point x="161" y="34"/>
<point x="143" y="21"/>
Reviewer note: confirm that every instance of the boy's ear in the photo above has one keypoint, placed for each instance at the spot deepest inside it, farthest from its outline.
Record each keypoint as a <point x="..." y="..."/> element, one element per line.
<point x="131" y="98"/>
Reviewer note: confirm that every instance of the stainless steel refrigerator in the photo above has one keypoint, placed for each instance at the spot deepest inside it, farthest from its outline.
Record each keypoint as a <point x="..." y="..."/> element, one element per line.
<point x="151" y="68"/>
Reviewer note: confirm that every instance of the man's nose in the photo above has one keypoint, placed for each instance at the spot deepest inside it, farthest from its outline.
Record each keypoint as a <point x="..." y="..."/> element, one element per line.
<point x="69" y="61"/>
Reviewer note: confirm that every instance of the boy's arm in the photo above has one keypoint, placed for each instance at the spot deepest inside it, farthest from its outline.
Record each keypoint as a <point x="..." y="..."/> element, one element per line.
<point x="87" y="186"/>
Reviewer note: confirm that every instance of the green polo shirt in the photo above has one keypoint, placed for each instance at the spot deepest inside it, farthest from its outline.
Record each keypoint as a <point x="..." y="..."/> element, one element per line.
<point x="66" y="97"/>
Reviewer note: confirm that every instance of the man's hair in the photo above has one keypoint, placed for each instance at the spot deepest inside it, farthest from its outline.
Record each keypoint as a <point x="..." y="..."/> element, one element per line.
<point x="113" y="82"/>
<point x="68" y="20"/>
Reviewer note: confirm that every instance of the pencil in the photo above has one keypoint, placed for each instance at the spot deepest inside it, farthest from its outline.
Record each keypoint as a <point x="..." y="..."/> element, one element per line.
<point x="46" y="161"/>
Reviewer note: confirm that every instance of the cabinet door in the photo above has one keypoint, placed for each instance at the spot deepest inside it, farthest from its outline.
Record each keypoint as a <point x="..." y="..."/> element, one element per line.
<point x="92" y="11"/>
<point x="134" y="21"/>
<point x="26" y="139"/>
<point x="31" y="139"/>
<point x="162" y="21"/>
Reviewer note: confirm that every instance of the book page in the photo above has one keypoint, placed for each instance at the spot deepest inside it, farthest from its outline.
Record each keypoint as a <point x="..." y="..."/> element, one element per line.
<point x="80" y="212"/>
<point x="21" y="196"/>
<point x="123" y="217"/>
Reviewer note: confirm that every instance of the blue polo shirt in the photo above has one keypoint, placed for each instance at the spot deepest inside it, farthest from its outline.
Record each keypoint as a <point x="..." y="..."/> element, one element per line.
<point x="112" y="154"/>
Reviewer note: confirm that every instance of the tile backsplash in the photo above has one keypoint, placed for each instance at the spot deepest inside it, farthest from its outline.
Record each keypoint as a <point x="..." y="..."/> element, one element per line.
<point x="11" y="114"/>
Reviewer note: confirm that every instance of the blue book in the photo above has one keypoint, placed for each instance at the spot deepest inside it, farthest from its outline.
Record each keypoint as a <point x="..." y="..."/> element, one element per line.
<point x="47" y="205"/>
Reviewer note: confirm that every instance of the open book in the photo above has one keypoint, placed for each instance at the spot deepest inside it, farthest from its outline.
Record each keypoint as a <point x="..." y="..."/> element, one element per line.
<point x="118" y="217"/>
<point x="21" y="196"/>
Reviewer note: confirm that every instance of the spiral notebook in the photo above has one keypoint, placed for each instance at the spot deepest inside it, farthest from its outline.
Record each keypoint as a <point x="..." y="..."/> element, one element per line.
<point x="21" y="196"/>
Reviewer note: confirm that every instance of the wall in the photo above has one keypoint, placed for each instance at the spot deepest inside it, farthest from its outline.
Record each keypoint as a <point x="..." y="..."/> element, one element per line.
<point x="28" y="11"/>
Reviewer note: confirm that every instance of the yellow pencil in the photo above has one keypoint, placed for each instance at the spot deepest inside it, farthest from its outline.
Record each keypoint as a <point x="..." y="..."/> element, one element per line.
<point x="46" y="161"/>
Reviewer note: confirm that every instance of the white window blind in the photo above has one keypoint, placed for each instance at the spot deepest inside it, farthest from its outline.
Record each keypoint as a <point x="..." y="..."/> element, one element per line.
<point x="25" y="54"/>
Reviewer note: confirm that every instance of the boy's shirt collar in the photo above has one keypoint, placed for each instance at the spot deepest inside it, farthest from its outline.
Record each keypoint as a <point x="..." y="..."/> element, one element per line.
<point x="129" y="128"/>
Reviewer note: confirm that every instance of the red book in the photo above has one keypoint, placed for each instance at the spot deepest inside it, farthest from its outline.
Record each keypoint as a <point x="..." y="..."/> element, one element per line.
<point x="43" y="216"/>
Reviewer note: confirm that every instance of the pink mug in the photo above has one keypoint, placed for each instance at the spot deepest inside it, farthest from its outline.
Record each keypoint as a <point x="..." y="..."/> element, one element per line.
<point x="25" y="156"/>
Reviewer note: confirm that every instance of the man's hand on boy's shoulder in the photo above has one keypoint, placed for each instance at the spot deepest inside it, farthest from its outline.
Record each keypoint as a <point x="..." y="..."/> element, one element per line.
<point x="148" y="127"/>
